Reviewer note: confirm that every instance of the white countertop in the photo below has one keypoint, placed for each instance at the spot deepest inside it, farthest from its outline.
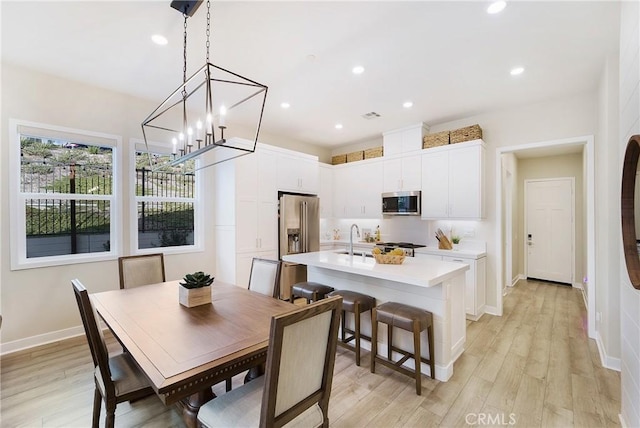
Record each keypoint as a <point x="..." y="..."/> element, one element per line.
<point x="414" y="271"/>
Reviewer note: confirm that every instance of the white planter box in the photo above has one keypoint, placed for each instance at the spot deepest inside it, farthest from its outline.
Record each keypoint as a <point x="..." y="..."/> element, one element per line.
<point x="191" y="297"/>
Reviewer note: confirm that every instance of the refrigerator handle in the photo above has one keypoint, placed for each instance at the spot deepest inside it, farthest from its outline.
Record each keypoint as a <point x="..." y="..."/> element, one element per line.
<point x="304" y="247"/>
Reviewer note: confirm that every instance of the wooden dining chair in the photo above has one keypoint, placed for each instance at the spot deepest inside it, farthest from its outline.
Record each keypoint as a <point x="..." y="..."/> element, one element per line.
<point x="265" y="276"/>
<point x="118" y="378"/>
<point x="141" y="270"/>
<point x="297" y="384"/>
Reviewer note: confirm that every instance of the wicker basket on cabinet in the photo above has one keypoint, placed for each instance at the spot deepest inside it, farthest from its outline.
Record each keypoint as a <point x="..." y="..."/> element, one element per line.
<point x="435" y="140"/>
<point x="473" y="132"/>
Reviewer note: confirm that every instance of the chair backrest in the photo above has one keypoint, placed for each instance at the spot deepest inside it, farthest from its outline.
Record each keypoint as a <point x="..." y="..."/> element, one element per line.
<point x="265" y="276"/>
<point x="300" y="361"/>
<point x="141" y="270"/>
<point x="95" y="337"/>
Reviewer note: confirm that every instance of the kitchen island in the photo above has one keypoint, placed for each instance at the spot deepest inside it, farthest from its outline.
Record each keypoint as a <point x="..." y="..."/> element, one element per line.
<point x="433" y="285"/>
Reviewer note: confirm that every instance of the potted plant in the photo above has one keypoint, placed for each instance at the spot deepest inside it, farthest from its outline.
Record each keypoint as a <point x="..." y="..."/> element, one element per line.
<point x="455" y="240"/>
<point x="196" y="289"/>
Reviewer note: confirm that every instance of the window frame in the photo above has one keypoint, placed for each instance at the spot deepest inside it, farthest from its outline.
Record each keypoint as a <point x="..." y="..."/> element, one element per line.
<point x="138" y="145"/>
<point x="18" y="198"/>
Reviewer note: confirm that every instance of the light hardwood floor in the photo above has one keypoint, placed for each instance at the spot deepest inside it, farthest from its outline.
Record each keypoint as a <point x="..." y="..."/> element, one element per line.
<point x="532" y="367"/>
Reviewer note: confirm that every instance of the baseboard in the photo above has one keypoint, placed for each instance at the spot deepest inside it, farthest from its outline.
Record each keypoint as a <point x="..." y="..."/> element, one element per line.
<point x="41" y="339"/>
<point x="578" y="286"/>
<point x="623" y="422"/>
<point x="491" y="310"/>
<point x="607" y="361"/>
<point x="517" y="278"/>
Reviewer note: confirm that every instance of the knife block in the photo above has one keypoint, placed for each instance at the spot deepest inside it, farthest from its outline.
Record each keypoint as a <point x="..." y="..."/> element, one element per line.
<point x="444" y="243"/>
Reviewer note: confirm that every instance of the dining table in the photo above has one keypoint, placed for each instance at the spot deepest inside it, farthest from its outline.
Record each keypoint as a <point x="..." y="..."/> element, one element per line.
<point x="185" y="351"/>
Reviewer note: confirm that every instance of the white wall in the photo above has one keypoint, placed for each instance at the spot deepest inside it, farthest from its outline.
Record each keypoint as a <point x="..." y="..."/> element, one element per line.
<point x="629" y="125"/>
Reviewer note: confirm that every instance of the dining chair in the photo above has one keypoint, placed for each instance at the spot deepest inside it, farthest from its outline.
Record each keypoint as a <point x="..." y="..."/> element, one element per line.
<point x="117" y="377"/>
<point x="265" y="276"/>
<point x="141" y="270"/>
<point x="297" y="385"/>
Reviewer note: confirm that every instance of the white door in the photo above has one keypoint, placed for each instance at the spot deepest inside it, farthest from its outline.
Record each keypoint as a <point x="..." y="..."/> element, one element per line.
<point x="549" y="229"/>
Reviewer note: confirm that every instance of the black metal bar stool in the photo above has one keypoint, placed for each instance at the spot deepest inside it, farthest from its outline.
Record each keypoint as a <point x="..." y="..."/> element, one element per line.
<point x="312" y="291"/>
<point x="407" y="318"/>
<point x="355" y="303"/>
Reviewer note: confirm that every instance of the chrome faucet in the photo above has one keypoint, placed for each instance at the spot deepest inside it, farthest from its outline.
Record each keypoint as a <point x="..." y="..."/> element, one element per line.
<point x="351" y="237"/>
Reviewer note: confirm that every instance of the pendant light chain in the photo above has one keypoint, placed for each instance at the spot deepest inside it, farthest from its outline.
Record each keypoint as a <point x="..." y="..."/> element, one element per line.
<point x="184" y="54"/>
<point x="208" y="27"/>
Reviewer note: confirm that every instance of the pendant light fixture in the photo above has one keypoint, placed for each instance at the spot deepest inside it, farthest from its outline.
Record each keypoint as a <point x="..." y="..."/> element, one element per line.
<point x="204" y="116"/>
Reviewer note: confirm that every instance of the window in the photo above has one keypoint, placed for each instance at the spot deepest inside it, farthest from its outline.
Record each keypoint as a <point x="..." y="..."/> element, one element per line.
<point x="166" y="203"/>
<point x="64" y="202"/>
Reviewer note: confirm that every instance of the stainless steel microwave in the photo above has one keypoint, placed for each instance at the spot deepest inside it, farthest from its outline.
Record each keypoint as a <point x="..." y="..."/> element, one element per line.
<point x="401" y="203"/>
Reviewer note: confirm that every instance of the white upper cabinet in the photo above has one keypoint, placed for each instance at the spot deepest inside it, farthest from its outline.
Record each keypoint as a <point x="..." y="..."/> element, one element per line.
<point x="404" y="140"/>
<point x="453" y="181"/>
<point x="325" y="190"/>
<point x="357" y="189"/>
<point x="297" y="172"/>
<point x="402" y="173"/>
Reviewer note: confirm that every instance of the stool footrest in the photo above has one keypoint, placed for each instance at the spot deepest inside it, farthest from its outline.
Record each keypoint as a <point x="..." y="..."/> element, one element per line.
<point x="394" y="365"/>
<point x="408" y="355"/>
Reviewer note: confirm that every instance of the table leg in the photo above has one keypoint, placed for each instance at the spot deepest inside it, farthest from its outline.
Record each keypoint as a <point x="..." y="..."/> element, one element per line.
<point x="192" y="404"/>
<point x="254" y="372"/>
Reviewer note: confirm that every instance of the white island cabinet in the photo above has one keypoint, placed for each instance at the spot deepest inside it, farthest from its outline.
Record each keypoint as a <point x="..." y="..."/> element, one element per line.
<point x="435" y="286"/>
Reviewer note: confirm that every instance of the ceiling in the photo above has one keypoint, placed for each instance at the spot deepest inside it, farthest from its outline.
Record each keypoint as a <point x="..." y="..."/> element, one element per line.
<point x="450" y="58"/>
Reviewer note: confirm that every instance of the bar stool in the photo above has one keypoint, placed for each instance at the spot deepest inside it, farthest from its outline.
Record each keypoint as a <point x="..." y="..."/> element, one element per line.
<point x="355" y="303"/>
<point x="407" y="318"/>
<point x="312" y="291"/>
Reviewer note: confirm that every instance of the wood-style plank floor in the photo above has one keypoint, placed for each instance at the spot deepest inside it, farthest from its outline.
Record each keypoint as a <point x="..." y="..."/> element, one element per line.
<point x="532" y="367"/>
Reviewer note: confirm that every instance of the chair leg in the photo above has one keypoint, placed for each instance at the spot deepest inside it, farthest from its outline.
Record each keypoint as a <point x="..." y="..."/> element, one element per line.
<point x="390" y="345"/>
<point x="357" y="332"/>
<point x="374" y="340"/>
<point x="97" y="405"/>
<point x="111" y="415"/>
<point x="432" y="357"/>
<point x="416" y="356"/>
<point x="343" y="324"/>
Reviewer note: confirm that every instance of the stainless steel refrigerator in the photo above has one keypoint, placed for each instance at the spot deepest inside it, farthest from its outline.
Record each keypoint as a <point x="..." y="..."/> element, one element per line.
<point x="298" y="232"/>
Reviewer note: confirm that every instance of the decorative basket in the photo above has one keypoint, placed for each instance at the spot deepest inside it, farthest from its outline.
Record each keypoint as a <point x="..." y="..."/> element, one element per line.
<point x="468" y="133"/>
<point x="435" y="140"/>
<point x="388" y="259"/>
<point x="338" y="159"/>
<point x="375" y="152"/>
<point x="355" y="156"/>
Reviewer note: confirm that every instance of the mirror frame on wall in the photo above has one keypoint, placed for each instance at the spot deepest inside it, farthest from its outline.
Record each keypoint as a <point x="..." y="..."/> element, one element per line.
<point x="628" y="214"/>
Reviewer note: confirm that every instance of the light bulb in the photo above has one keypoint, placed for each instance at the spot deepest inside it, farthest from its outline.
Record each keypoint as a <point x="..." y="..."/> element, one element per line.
<point x="223" y="114"/>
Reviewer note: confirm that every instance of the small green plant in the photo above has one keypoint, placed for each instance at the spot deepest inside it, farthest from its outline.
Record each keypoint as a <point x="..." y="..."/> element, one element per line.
<point x="196" y="280"/>
<point x="455" y="239"/>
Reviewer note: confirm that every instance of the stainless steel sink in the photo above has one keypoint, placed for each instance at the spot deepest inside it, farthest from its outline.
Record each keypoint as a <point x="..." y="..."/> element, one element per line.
<point x="355" y="253"/>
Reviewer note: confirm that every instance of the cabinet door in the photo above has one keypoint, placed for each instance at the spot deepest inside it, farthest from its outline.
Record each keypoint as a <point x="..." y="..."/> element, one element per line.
<point x="297" y="174"/>
<point x="435" y="185"/>
<point x="412" y="139"/>
<point x="412" y="172"/>
<point x="246" y="225"/>
<point x="470" y="283"/>
<point x="392" y="175"/>
<point x="365" y="188"/>
<point x="267" y="226"/>
<point x="341" y="181"/>
<point x="266" y="177"/>
<point x="308" y="174"/>
<point x="392" y="143"/>
<point x="465" y="183"/>
<point x="325" y="191"/>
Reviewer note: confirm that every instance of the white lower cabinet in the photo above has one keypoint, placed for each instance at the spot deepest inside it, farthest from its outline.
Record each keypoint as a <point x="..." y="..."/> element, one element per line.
<point x="475" y="282"/>
<point x="475" y="287"/>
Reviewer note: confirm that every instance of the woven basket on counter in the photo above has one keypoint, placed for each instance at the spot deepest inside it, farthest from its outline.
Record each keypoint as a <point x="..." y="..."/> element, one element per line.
<point x="355" y="156"/>
<point x="435" y="140"/>
<point x="375" y="152"/>
<point x="388" y="259"/>
<point x="469" y="133"/>
<point x="338" y="159"/>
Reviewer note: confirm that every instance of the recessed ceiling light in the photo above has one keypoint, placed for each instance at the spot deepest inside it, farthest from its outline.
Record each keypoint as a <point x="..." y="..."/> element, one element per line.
<point x="358" y="69"/>
<point x="159" y="40"/>
<point x="407" y="104"/>
<point x="285" y="105"/>
<point x="517" y="71"/>
<point x="496" y="7"/>
<point x="338" y="126"/>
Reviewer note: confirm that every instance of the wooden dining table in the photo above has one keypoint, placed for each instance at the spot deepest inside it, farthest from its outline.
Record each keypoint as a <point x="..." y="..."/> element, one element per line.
<point x="184" y="351"/>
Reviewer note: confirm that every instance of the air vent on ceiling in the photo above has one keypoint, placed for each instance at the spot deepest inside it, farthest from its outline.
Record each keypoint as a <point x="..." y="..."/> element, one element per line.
<point x="370" y="115"/>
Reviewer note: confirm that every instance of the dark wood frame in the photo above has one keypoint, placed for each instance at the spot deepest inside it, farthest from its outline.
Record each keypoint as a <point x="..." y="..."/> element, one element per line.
<point x="123" y="259"/>
<point x="321" y="396"/>
<point x="276" y="286"/>
<point x="100" y="356"/>
<point x="627" y="207"/>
